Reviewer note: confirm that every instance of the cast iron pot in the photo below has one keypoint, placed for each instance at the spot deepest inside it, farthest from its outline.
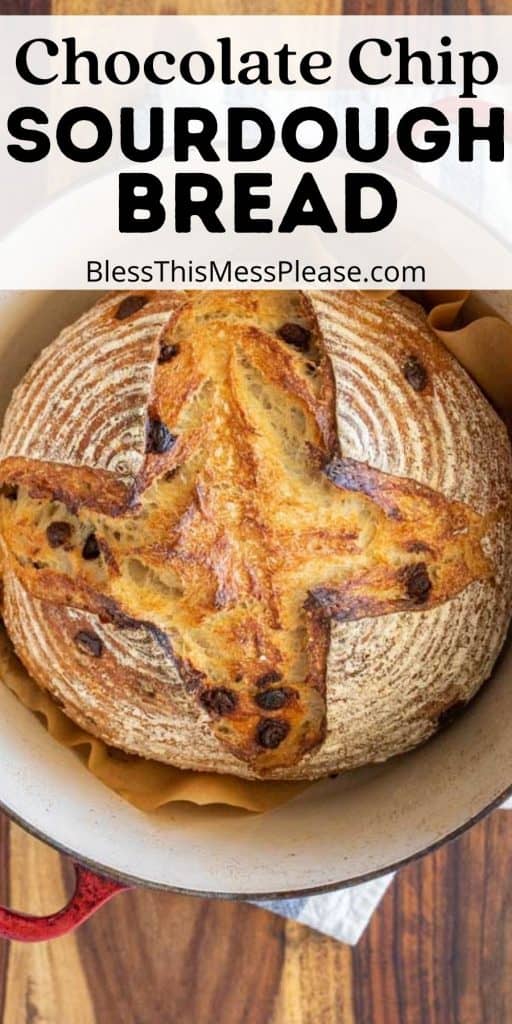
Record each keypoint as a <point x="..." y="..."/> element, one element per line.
<point x="338" y="832"/>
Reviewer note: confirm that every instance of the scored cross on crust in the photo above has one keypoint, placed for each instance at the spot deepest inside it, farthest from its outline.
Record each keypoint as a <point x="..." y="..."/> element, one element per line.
<point x="244" y="531"/>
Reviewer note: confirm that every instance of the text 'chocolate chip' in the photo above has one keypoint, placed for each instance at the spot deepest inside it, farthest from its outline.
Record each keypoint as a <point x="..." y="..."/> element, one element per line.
<point x="415" y="373"/>
<point x="89" y="643"/>
<point x="130" y="305"/>
<point x="219" y="700"/>
<point x="271" y="732"/>
<point x="58" y="534"/>
<point x="295" y="334"/>
<point x="159" y="438"/>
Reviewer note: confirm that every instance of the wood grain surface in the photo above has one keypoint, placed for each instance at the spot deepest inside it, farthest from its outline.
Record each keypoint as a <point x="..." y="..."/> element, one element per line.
<point x="437" y="951"/>
<point x="439" y="948"/>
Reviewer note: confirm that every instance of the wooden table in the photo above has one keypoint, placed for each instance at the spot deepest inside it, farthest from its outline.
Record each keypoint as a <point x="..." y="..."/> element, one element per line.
<point x="438" y="950"/>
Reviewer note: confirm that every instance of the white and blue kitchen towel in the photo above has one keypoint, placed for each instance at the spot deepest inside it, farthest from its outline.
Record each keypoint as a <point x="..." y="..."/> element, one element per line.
<point x="343" y="914"/>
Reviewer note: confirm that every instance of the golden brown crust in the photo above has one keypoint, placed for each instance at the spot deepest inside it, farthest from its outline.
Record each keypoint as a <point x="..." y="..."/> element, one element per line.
<point x="243" y="529"/>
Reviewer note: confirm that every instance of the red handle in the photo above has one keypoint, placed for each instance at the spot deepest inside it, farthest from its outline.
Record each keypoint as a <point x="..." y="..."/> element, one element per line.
<point x="91" y="892"/>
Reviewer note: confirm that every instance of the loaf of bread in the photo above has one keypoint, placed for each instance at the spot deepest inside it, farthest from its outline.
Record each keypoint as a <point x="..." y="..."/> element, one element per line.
<point x="264" y="533"/>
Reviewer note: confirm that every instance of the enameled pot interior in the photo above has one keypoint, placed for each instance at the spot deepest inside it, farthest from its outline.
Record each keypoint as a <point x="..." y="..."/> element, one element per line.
<point x="338" y="830"/>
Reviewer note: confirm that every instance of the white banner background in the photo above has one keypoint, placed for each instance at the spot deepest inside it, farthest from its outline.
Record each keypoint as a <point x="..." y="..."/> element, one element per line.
<point x="55" y="215"/>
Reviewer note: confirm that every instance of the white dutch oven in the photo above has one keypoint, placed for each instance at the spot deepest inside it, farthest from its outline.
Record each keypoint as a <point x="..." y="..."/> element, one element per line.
<point x="338" y="832"/>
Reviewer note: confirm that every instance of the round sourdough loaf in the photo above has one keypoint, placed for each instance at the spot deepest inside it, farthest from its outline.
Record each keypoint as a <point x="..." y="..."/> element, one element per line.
<point x="265" y="533"/>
